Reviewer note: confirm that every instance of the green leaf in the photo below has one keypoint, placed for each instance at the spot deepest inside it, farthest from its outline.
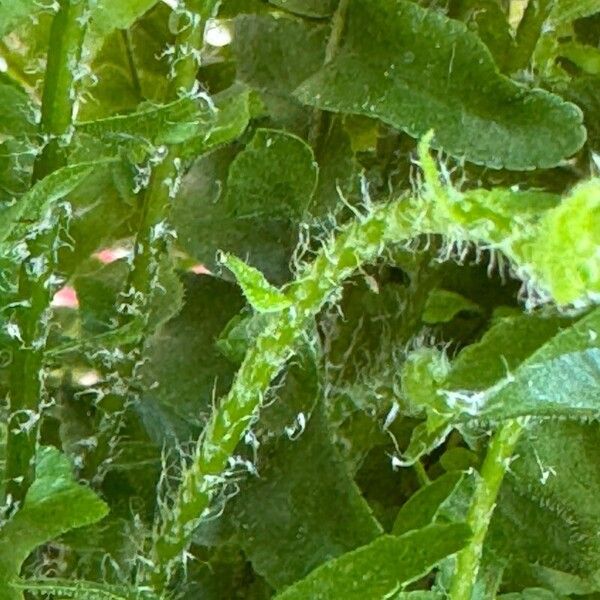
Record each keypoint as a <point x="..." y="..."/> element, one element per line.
<point x="418" y="70"/>
<point x="262" y="296"/>
<point x="54" y="504"/>
<point x="510" y="341"/>
<point x="425" y="438"/>
<point x="266" y="52"/>
<point x="117" y="85"/>
<point x="523" y="366"/>
<point x="108" y="15"/>
<point x="81" y="590"/>
<point x="184" y="371"/>
<point x="442" y="306"/>
<point x="530" y="32"/>
<point x="249" y="205"/>
<point x="421" y="508"/>
<point x="418" y="595"/>
<point x="548" y="506"/>
<point x="559" y="379"/>
<point x="303" y="508"/>
<point x="168" y="124"/>
<point x="587" y="58"/>
<point x="532" y="594"/>
<point x="98" y="288"/>
<point x="101" y="208"/>
<point x="459" y="459"/>
<point x="275" y="175"/>
<point x="338" y="172"/>
<point x="19" y="113"/>
<point x="125" y="65"/>
<point x="560" y="582"/>
<point x="488" y="19"/>
<point x="308" y="8"/>
<point x="15" y="12"/>
<point x="226" y="123"/>
<point x="565" y="11"/>
<point x="375" y="571"/>
<point x="31" y="206"/>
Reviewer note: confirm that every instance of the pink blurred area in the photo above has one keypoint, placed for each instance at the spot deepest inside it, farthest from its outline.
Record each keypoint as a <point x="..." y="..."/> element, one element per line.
<point x="108" y="255"/>
<point x="200" y="270"/>
<point x="66" y="297"/>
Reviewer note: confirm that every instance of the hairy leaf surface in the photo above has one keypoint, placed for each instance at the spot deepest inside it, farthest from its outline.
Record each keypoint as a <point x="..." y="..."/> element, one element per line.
<point x="418" y="70"/>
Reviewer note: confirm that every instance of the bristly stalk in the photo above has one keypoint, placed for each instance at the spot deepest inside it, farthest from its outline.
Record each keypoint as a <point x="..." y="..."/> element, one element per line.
<point x="358" y="243"/>
<point x="158" y="196"/>
<point x="36" y="278"/>
<point x="495" y="465"/>
<point x="152" y="237"/>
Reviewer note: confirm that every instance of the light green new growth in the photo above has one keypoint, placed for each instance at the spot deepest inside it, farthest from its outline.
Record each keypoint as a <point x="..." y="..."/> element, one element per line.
<point x="261" y="295"/>
<point x="441" y="210"/>
<point x="566" y="251"/>
<point x="552" y="244"/>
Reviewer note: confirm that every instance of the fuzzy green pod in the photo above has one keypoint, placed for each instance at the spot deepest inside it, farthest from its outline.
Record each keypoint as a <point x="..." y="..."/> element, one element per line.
<point x="566" y="250"/>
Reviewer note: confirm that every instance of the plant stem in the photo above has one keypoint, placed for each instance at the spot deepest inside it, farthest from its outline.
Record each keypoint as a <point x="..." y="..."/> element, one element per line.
<point x="494" y="467"/>
<point x="338" y="24"/>
<point x="133" y="71"/>
<point x="421" y="473"/>
<point x="35" y="285"/>
<point x="359" y="243"/>
<point x="152" y="239"/>
<point x="158" y="196"/>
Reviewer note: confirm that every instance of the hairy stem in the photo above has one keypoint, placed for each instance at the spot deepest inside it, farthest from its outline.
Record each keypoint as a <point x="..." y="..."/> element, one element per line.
<point x="152" y="238"/>
<point x="149" y="246"/>
<point x="494" y="467"/>
<point x="35" y="285"/>
<point x="359" y="243"/>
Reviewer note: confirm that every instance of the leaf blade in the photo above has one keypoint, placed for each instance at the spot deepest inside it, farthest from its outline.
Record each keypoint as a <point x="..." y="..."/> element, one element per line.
<point x="417" y="70"/>
<point x="54" y="492"/>
<point x="380" y="568"/>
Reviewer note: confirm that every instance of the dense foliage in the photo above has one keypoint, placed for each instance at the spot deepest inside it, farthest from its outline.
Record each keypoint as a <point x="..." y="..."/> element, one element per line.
<point x="299" y="299"/>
